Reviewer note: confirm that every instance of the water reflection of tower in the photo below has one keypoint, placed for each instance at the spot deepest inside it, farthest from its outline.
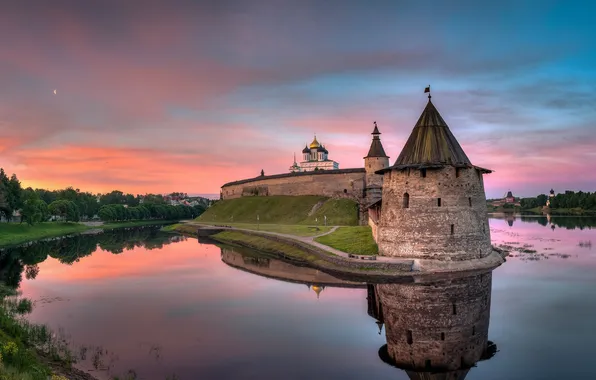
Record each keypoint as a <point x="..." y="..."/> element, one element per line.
<point x="375" y="309"/>
<point x="435" y="329"/>
<point x="510" y="218"/>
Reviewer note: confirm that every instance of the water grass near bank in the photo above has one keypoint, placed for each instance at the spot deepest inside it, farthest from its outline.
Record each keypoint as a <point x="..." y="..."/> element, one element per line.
<point x="26" y="348"/>
<point x="353" y="239"/>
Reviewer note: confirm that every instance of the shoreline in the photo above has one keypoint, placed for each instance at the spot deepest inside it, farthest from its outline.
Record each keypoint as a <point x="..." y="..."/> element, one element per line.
<point x="71" y="372"/>
<point x="319" y="256"/>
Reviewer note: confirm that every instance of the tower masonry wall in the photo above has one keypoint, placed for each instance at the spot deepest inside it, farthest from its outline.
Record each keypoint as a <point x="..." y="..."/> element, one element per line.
<point x="371" y="165"/>
<point x="440" y="216"/>
<point x="348" y="183"/>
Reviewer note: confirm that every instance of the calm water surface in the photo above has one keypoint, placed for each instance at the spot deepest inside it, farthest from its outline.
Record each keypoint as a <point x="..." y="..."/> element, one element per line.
<point x="164" y="306"/>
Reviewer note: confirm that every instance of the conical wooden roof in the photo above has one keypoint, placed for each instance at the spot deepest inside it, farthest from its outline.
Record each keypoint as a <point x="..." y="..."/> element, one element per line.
<point x="432" y="143"/>
<point x="376" y="148"/>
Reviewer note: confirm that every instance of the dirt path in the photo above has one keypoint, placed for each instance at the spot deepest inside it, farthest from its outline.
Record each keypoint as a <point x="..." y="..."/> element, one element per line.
<point x="308" y="240"/>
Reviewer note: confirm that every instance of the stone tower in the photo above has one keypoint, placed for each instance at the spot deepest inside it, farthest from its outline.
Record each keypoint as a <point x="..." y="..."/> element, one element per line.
<point x="433" y="204"/>
<point x="375" y="160"/>
<point x="437" y="329"/>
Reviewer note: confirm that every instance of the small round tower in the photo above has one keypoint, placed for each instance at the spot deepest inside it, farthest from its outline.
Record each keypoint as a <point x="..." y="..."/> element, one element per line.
<point x="433" y="204"/>
<point x="375" y="160"/>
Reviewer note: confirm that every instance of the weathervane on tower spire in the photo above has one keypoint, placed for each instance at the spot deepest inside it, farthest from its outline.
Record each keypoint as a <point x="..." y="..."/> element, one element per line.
<point x="427" y="90"/>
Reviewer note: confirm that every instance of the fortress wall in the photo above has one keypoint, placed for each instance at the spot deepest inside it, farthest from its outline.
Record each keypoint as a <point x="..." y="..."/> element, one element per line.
<point x="279" y="269"/>
<point x="330" y="183"/>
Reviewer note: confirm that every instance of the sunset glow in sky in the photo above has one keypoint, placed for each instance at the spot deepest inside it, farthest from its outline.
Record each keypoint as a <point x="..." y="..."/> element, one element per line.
<point x="188" y="95"/>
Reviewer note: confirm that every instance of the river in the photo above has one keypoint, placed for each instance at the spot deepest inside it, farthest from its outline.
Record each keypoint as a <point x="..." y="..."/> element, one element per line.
<point x="168" y="306"/>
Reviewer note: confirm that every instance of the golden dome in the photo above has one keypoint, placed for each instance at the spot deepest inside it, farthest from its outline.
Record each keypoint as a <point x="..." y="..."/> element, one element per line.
<point x="318" y="289"/>
<point x="314" y="144"/>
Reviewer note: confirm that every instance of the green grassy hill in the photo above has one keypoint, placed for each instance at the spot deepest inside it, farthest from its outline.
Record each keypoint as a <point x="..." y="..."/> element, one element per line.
<point x="283" y="210"/>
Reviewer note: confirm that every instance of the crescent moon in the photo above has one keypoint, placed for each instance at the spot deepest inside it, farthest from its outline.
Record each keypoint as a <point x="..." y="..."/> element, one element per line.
<point x="55" y="92"/>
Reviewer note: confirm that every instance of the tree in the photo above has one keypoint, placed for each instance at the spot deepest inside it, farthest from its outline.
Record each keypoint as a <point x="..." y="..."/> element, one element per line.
<point x="4" y="208"/>
<point x="112" y="198"/>
<point x="106" y="213"/>
<point x="131" y="201"/>
<point x="67" y="210"/>
<point x="541" y="199"/>
<point x="11" y="190"/>
<point x="34" y="210"/>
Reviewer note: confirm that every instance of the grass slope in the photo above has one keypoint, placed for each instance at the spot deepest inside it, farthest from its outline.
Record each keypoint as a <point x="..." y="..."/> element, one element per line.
<point x="282" y="210"/>
<point x="357" y="240"/>
<point x="14" y="233"/>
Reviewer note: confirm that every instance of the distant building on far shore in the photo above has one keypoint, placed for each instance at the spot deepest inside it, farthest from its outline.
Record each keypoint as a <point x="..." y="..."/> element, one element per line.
<point x="550" y="195"/>
<point x="509" y="198"/>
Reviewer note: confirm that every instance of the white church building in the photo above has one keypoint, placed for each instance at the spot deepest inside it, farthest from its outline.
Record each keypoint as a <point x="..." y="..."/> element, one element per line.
<point x="314" y="157"/>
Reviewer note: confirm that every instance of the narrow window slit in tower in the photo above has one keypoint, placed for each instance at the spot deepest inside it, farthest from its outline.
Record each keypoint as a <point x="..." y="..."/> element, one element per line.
<point x="439" y="202"/>
<point x="452" y="229"/>
<point x="456" y="172"/>
<point x="454" y="309"/>
<point x="410" y="341"/>
<point x="406" y="200"/>
<point x="470" y="201"/>
<point x="423" y="173"/>
<point x="442" y="336"/>
<point x="473" y="330"/>
<point x="428" y="364"/>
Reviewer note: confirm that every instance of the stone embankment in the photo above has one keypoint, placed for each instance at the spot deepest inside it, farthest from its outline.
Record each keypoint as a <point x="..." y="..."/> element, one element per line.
<point x="338" y="262"/>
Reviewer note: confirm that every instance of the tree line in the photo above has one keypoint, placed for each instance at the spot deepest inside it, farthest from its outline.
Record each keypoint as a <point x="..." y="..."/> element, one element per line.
<point x="568" y="199"/>
<point x="38" y="205"/>
<point x="567" y="222"/>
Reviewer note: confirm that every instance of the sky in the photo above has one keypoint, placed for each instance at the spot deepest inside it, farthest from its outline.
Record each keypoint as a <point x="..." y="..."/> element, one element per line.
<point x="155" y="97"/>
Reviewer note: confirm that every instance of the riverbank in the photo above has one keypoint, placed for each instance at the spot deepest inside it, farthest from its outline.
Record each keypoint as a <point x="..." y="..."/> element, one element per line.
<point x="308" y="251"/>
<point x="29" y="351"/>
<point x="12" y="234"/>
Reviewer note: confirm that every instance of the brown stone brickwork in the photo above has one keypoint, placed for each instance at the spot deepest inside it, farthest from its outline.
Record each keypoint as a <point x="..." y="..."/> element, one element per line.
<point x="348" y="183"/>
<point x="437" y="215"/>
<point x="436" y="326"/>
